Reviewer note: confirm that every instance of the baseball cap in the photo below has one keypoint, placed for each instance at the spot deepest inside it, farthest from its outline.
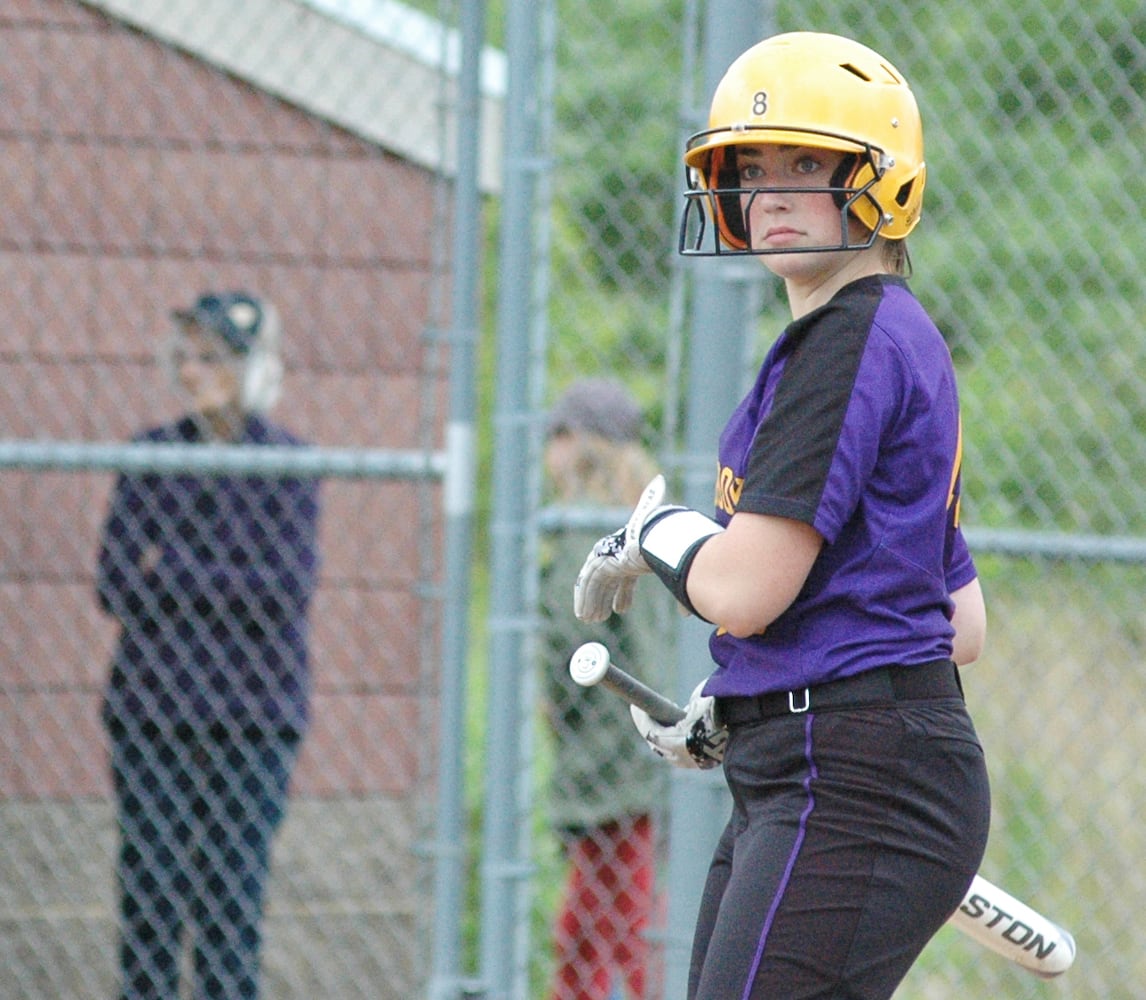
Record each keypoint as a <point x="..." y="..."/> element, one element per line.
<point x="237" y="317"/>
<point x="597" y="406"/>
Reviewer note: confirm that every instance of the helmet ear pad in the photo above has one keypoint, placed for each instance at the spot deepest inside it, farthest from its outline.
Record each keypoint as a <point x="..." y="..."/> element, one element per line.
<point x="875" y="209"/>
<point x="853" y="174"/>
<point x="845" y="176"/>
<point x="724" y="176"/>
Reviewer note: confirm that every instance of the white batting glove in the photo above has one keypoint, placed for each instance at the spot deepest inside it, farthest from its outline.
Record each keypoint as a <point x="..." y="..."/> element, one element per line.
<point x="697" y="741"/>
<point x="609" y="575"/>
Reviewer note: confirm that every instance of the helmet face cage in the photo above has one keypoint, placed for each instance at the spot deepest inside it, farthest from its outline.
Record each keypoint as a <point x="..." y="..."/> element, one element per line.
<point x="717" y="211"/>
<point x="823" y="91"/>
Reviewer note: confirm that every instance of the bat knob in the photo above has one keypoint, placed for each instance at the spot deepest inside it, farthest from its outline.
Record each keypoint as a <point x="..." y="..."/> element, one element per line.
<point x="589" y="664"/>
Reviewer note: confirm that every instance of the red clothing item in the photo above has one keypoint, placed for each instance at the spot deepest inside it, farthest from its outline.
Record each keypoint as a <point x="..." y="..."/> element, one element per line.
<point x="603" y="924"/>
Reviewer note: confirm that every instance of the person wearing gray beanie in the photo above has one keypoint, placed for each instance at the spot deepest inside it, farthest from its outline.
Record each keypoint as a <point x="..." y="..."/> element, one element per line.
<point x="601" y="406"/>
<point x="604" y="795"/>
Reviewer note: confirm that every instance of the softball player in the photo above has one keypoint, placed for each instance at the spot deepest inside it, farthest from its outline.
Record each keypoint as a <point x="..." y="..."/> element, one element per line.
<point x="835" y="572"/>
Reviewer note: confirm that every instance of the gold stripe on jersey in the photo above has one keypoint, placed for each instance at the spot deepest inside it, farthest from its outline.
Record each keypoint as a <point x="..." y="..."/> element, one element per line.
<point x="956" y="469"/>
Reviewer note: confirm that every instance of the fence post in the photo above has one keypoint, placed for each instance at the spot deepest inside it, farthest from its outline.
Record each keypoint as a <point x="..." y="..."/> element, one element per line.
<point x="505" y="862"/>
<point x="723" y="306"/>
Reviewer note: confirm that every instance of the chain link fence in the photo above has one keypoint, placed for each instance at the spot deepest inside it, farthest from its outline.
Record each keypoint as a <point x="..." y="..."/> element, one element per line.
<point x="150" y="151"/>
<point x="1029" y="258"/>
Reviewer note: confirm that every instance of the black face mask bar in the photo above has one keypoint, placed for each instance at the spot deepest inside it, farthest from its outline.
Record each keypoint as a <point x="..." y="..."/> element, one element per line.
<point x="700" y="237"/>
<point x="708" y="211"/>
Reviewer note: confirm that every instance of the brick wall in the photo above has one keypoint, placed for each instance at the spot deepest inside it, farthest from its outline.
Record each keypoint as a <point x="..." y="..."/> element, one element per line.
<point x="132" y="176"/>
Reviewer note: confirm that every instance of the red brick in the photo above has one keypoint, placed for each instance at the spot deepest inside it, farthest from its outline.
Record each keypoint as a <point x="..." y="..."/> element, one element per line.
<point x="63" y="305"/>
<point x="181" y="225"/>
<point x="53" y="637"/>
<point x="49" y="12"/>
<point x="131" y="99"/>
<point x="19" y="294"/>
<point x="370" y="532"/>
<point x="203" y="106"/>
<point x="21" y="179"/>
<point x="41" y="400"/>
<point x="380" y="209"/>
<point x="128" y="309"/>
<point x="295" y="194"/>
<point x="237" y="204"/>
<point x="23" y="46"/>
<point x="296" y="290"/>
<point x="64" y="513"/>
<point x="375" y="320"/>
<point x="197" y="101"/>
<point x="52" y="745"/>
<point x="122" y="399"/>
<point x="365" y="640"/>
<point x="69" y="195"/>
<point x="73" y="81"/>
<point x="360" y="744"/>
<point x="365" y="411"/>
<point x="13" y="504"/>
<point x="128" y="197"/>
<point x="9" y="747"/>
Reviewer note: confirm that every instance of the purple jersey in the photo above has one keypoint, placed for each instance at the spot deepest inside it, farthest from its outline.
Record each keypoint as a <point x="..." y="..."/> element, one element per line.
<point x="852" y="427"/>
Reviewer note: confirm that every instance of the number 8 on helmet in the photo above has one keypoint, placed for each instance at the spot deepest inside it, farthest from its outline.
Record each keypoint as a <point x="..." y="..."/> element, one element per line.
<point x="808" y="89"/>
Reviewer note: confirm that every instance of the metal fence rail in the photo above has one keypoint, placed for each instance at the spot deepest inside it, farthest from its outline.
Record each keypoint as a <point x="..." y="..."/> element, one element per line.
<point x="263" y="460"/>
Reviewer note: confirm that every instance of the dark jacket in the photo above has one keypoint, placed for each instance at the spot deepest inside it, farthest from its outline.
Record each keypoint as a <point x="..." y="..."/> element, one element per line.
<point x="216" y="632"/>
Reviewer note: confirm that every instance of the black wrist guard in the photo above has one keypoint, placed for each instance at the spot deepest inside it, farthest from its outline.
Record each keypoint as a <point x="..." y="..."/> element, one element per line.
<point x="670" y="540"/>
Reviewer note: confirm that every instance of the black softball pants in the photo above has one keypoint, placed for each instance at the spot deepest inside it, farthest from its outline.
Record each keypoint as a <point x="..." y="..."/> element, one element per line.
<point x="854" y="834"/>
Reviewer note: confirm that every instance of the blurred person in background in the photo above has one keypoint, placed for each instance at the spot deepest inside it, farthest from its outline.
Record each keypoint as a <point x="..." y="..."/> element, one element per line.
<point x="605" y="786"/>
<point x="211" y="579"/>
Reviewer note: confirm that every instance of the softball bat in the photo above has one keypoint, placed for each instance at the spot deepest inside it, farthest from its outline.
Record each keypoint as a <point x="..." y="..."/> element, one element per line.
<point x="988" y="915"/>
<point x="1012" y="929"/>
<point x="592" y="666"/>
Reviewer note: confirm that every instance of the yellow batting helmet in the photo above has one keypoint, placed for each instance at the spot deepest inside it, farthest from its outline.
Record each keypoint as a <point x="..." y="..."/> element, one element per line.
<point x="813" y="89"/>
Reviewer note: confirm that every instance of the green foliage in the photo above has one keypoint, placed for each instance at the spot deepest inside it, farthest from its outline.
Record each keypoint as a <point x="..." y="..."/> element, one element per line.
<point x="616" y="108"/>
<point x="1028" y="257"/>
<point x="1002" y="92"/>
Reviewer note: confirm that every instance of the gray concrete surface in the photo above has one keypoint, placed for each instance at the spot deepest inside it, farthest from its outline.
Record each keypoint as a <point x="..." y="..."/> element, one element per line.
<point x="346" y="916"/>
